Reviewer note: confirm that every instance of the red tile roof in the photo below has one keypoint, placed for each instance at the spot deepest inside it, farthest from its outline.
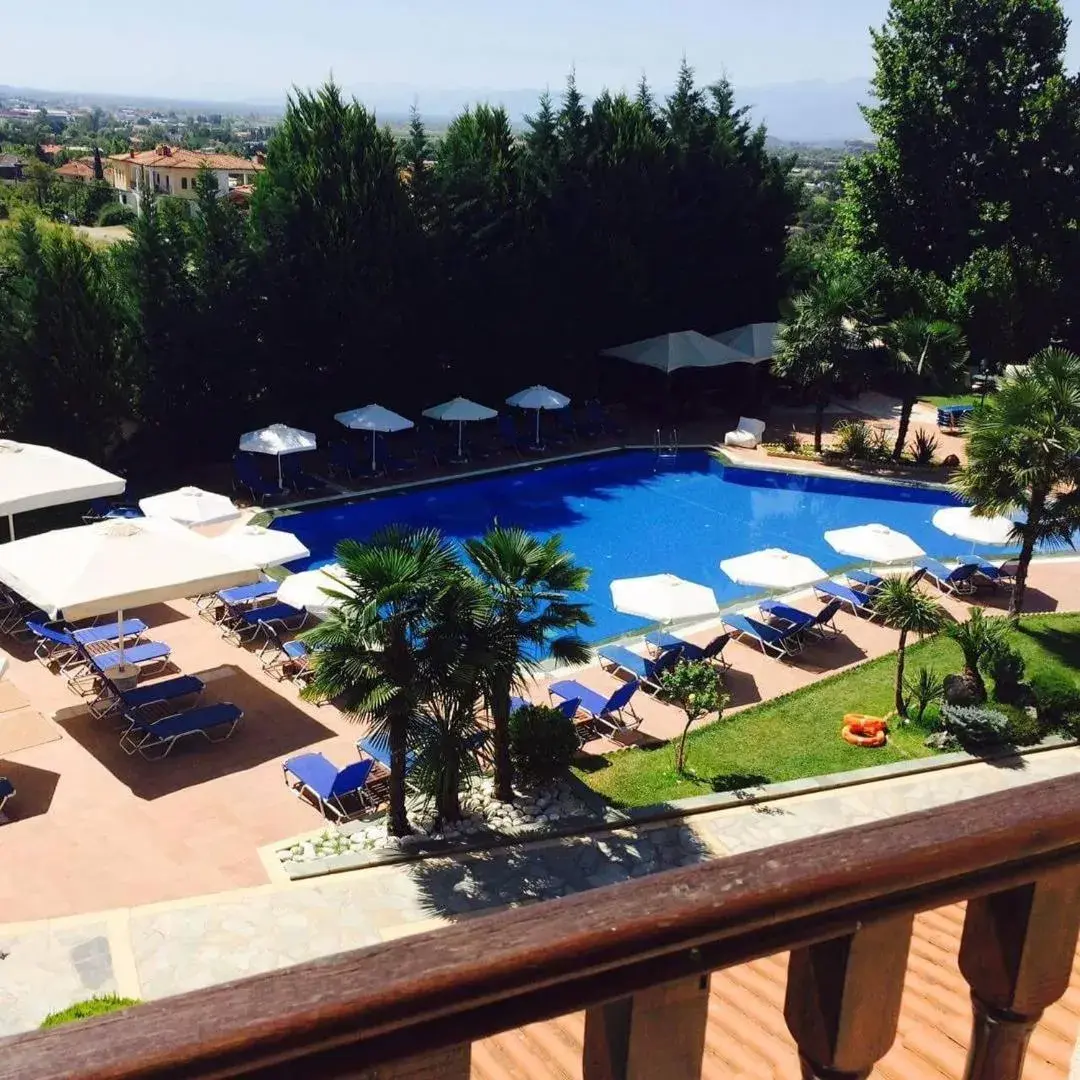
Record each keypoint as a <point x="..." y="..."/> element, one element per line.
<point x="175" y="157"/>
<point x="79" y="169"/>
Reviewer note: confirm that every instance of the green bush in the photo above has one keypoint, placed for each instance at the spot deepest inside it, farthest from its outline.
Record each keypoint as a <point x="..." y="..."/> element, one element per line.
<point x="115" y="214"/>
<point x="973" y="726"/>
<point x="98" y="1005"/>
<point x="542" y="744"/>
<point x="923" y="447"/>
<point x="853" y="439"/>
<point x="1057" y="697"/>
<point x="1025" y="729"/>
<point x="1005" y="665"/>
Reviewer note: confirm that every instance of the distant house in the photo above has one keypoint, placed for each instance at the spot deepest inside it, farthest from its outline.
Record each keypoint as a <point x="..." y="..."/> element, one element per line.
<point x="79" y="171"/>
<point x="48" y="151"/>
<point x="171" y="170"/>
<point x="11" y="167"/>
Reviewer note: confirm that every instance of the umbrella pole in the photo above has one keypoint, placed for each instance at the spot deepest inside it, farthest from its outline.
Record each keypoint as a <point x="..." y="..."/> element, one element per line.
<point x="280" y="481"/>
<point x="120" y="631"/>
<point x="11" y="526"/>
<point x="372" y="451"/>
<point x="537" y="440"/>
<point x="460" y="432"/>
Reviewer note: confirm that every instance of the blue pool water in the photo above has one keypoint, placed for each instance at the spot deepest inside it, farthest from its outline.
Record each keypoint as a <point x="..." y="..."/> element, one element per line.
<point x="628" y="514"/>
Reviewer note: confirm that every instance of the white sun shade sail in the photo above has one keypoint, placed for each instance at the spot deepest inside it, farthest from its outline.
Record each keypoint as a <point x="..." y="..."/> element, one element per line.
<point x="33" y="477"/>
<point x="669" y="352"/>
<point x="373" y="418"/>
<point x="261" y="547"/>
<point x="111" y="565"/>
<point x="278" y="439"/>
<point x="874" y="543"/>
<point x="190" y="506"/>
<point x="959" y="521"/>
<point x="308" y="589"/>
<point x="663" y="597"/>
<point x="756" y="341"/>
<point x="773" y="568"/>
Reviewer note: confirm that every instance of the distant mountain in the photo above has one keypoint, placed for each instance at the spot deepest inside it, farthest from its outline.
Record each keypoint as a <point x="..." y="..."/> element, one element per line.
<point x="815" y="112"/>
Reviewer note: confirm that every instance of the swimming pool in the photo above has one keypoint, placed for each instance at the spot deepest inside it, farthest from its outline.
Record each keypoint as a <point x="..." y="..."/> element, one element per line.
<point x="629" y="513"/>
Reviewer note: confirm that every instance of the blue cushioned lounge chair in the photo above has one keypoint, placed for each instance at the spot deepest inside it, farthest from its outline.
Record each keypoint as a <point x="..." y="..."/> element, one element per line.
<point x="246" y="475"/>
<point x="996" y="575"/>
<point x="56" y="644"/>
<point x="244" y="625"/>
<point x="7" y="791"/>
<point x="803" y="621"/>
<point x="606" y="711"/>
<point x="216" y="606"/>
<point x="330" y="787"/>
<point x="284" y="659"/>
<point x="661" y="641"/>
<point x="864" y="579"/>
<point x="568" y="708"/>
<point x="142" y="698"/>
<point x="956" y="581"/>
<point x="770" y="639"/>
<point x="859" y="602"/>
<point x="215" y="723"/>
<point x="149" y="655"/>
<point x="619" y="658"/>
<point x="377" y="747"/>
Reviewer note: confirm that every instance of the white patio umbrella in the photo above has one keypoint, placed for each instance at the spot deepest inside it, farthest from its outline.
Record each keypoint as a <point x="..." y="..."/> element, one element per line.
<point x="773" y="568"/>
<point x="278" y="440"/>
<point x="874" y="543"/>
<point x="33" y="477"/>
<point x="460" y="411"/>
<point x="538" y="398"/>
<point x="757" y="341"/>
<point x="261" y="547"/>
<point x="308" y="589"/>
<point x="190" y="506"/>
<point x="959" y="521"/>
<point x="373" y="418"/>
<point x="115" y="565"/>
<point x="669" y="352"/>
<point x="663" y="597"/>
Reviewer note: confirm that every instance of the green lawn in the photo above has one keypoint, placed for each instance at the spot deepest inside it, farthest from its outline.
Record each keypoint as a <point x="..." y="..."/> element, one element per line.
<point x="799" y="735"/>
<point x="954" y="399"/>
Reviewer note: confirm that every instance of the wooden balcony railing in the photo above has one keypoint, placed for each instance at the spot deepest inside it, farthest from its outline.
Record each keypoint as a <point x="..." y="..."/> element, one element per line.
<point x="637" y="957"/>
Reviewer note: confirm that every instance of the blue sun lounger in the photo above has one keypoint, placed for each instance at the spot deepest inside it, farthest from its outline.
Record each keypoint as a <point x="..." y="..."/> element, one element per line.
<point x="377" y="747"/>
<point x="330" y="787"/>
<point x="861" y="603"/>
<point x="996" y="575"/>
<point x="7" y="791"/>
<point x="143" y="697"/>
<point x="770" y="639"/>
<point x="619" y="658"/>
<point x="149" y="653"/>
<point x="568" y="708"/>
<point x="956" y="581"/>
<point x="803" y="621"/>
<point x="607" y="711"/>
<point x="57" y="644"/>
<point x="245" y="624"/>
<point x="216" y="606"/>
<point x="865" y="579"/>
<point x="215" y="723"/>
<point x="661" y="641"/>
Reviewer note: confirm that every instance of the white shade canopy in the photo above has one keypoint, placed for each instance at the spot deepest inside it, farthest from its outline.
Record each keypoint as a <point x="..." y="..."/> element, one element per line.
<point x="308" y="589"/>
<point x="33" y="477"/>
<point x="278" y="439"/>
<point x="373" y="418"/>
<point x="663" y="597"/>
<point x="190" y="506"/>
<point x="874" y="543"/>
<point x="773" y="568"/>
<point x="669" y="352"/>
<point x="115" y="564"/>
<point x="460" y="410"/>
<point x="961" y="522"/>
<point x="261" y="547"/>
<point x="538" y="397"/>
<point x="756" y="341"/>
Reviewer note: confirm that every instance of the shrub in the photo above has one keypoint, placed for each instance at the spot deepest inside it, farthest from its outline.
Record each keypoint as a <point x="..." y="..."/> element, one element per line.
<point x="924" y="689"/>
<point x="115" y="214"/>
<point x="973" y="726"/>
<point x="852" y="439"/>
<point x="542" y="744"/>
<point x="790" y="442"/>
<point x="98" y="1005"/>
<point x="1026" y="729"/>
<point x="878" y="448"/>
<point x="1005" y="666"/>
<point x="923" y="447"/>
<point x="1057" y="697"/>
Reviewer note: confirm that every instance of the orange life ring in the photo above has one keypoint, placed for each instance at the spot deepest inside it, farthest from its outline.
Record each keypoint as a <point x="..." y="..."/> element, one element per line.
<point x="864" y="730"/>
<point x="863" y="740"/>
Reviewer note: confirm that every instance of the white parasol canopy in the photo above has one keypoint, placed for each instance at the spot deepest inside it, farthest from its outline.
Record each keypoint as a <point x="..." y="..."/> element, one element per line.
<point x="33" y="477"/>
<point x="757" y="341"/>
<point x="308" y="589"/>
<point x="669" y="352"/>
<point x="959" y="521"/>
<point x="373" y="418"/>
<point x="278" y="440"/>
<point x="116" y="564"/>
<point x="261" y="547"/>
<point x="773" y="568"/>
<point x="190" y="506"/>
<point x="663" y="597"/>
<point x="874" y="543"/>
<point x="538" y="398"/>
<point x="461" y="411"/>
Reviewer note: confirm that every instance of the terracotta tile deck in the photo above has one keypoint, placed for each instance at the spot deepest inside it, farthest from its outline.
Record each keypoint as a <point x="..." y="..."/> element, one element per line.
<point x="93" y="829"/>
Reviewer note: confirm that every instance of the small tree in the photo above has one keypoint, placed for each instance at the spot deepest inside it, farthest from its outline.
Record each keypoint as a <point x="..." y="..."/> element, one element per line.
<point x="904" y="607"/>
<point x="697" y="690"/>
<point x="978" y="637"/>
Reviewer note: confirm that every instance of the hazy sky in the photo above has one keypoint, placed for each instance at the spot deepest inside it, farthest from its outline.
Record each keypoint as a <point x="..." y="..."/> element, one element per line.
<point x="258" y="48"/>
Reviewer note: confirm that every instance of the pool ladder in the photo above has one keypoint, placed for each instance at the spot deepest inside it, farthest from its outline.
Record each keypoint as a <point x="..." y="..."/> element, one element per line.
<point x="666" y="443"/>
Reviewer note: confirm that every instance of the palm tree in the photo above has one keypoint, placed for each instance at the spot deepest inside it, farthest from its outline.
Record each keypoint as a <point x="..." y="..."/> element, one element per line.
<point x="1023" y="452"/>
<point x="528" y="582"/>
<point x="824" y="329"/>
<point x="923" y="352"/>
<point x="977" y="636"/>
<point x="906" y="608"/>
<point x="384" y="649"/>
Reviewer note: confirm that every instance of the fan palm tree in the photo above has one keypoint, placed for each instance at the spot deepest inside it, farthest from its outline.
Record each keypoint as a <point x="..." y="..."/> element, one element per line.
<point x="978" y="636"/>
<point x="528" y="581"/>
<point x="923" y="352"/>
<point x="385" y="648"/>
<point x="1023" y="452"/>
<point x="906" y="608"/>
<point x="826" y="326"/>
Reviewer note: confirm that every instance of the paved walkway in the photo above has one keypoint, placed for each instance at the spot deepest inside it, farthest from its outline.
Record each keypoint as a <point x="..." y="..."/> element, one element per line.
<point x="163" y="949"/>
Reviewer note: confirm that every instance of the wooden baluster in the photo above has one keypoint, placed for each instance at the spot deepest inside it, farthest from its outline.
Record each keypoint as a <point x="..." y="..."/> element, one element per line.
<point x="1017" y="955"/>
<point x="656" y="1034"/>
<point x="843" y="999"/>
<point x="451" y="1064"/>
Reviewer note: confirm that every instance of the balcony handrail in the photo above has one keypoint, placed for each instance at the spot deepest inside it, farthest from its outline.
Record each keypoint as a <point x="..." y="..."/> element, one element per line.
<point x="419" y="994"/>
